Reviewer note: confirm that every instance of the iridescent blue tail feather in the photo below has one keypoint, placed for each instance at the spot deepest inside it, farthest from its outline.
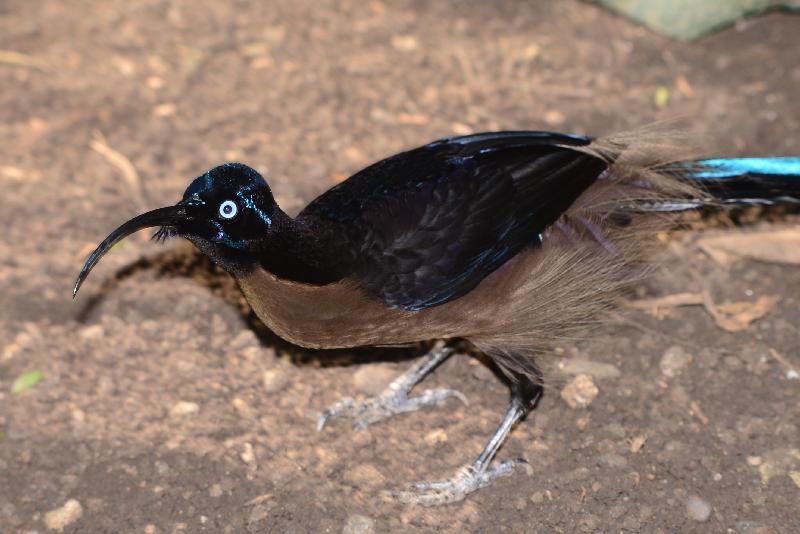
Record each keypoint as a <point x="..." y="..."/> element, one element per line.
<point x="738" y="182"/>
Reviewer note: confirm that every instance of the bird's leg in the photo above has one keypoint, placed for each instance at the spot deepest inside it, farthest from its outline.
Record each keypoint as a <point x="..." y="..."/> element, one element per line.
<point x="395" y="398"/>
<point x="471" y="477"/>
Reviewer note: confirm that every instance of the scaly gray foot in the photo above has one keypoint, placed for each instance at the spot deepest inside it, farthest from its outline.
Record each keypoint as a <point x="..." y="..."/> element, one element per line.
<point x="385" y="405"/>
<point x="468" y="479"/>
<point x="395" y="398"/>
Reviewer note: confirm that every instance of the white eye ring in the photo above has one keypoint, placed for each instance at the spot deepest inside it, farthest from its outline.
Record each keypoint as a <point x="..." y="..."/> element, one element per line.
<point x="228" y="209"/>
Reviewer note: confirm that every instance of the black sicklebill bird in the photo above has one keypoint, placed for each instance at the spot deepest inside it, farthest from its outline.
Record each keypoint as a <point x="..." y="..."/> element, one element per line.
<point x="508" y="240"/>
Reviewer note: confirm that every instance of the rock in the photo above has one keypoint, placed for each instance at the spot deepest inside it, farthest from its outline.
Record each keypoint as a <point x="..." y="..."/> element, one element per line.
<point x="436" y="436"/>
<point x="674" y="360"/>
<point x="94" y="331"/>
<point x="372" y="379"/>
<point x="359" y="524"/>
<point x="582" y="366"/>
<point x="248" y="455"/>
<point x="698" y="509"/>
<point x="275" y="380"/>
<point x="60" y="518"/>
<point x="613" y="460"/>
<point x="779" y="462"/>
<point x="580" y="392"/>
<point x="182" y="408"/>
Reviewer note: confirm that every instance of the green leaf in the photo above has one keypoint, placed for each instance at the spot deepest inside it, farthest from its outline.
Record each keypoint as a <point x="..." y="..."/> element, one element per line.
<point x="26" y="381"/>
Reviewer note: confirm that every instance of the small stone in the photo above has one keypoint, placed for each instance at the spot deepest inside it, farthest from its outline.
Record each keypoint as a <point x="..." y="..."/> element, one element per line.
<point x="537" y="497"/>
<point x="698" y="509"/>
<point x="373" y="379"/>
<point x="359" y="524"/>
<point x="242" y="407"/>
<point x="580" y="392"/>
<point x="405" y="43"/>
<point x="674" y="360"/>
<point x="637" y="443"/>
<point x="94" y="331"/>
<point x="60" y="518"/>
<point x="435" y="437"/>
<point x="554" y="118"/>
<point x="755" y="461"/>
<point x="215" y="491"/>
<point x="274" y="380"/>
<point x="183" y="408"/>
<point x="248" y="455"/>
<point x="582" y="366"/>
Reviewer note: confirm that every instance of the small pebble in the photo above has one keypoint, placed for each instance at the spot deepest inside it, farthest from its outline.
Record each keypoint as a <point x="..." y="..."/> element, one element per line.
<point x="60" y="518"/>
<point x="580" y="392"/>
<point x="698" y="509"/>
<point x="435" y="437"/>
<point x="637" y="443"/>
<point x="274" y="380"/>
<point x="582" y="366"/>
<point x="184" y="408"/>
<point x="755" y="461"/>
<point x="248" y="455"/>
<point x="94" y="331"/>
<point x="359" y="524"/>
<point x="674" y="360"/>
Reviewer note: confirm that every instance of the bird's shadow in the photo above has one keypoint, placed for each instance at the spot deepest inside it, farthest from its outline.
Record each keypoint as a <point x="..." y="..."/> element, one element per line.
<point x="184" y="261"/>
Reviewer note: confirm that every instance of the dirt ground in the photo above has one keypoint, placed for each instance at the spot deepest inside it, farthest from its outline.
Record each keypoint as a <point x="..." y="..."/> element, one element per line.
<point x="163" y="407"/>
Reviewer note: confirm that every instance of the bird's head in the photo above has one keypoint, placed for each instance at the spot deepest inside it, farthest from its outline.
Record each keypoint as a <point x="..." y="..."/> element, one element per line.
<point x="225" y="213"/>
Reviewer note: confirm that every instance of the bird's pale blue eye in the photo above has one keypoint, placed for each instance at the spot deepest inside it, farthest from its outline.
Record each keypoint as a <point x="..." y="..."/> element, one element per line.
<point x="228" y="209"/>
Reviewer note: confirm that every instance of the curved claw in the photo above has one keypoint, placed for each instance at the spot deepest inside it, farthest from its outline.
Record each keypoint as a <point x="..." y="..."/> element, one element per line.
<point x="347" y="404"/>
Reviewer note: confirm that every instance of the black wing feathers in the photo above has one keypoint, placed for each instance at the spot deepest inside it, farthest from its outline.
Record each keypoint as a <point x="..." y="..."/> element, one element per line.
<point x="428" y="225"/>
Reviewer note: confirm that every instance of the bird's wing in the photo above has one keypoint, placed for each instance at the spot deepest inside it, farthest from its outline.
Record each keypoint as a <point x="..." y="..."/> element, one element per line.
<point x="426" y="226"/>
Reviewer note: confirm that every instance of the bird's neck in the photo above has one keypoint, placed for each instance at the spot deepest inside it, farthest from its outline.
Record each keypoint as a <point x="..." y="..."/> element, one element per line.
<point x="302" y="251"/>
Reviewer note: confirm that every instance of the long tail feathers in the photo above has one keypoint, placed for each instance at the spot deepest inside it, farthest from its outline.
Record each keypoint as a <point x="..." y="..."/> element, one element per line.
<point x="738" y="182"/>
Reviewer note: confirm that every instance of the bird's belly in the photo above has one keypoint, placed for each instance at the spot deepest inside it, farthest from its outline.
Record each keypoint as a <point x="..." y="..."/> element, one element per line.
<point x="336" y="315"/>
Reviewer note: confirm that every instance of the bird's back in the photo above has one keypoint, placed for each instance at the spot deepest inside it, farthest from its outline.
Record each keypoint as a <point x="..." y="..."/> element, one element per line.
<point x="424" y="227"/>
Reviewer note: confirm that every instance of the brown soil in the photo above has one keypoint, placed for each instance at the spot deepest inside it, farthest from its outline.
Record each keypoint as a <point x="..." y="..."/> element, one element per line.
<point x="154" y="412"/>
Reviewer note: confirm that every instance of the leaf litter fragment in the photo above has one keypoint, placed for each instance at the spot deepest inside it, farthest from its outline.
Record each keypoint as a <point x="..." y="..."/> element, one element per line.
<point x="772" y="246"/>
<point x="730" y="316"/>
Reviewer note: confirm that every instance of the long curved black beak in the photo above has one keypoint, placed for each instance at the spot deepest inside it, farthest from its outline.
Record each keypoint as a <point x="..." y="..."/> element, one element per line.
<point x="168" y="216"/>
